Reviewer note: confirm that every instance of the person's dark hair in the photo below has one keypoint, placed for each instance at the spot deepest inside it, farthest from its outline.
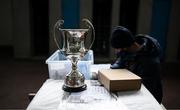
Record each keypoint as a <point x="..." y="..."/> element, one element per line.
<point x="121" y="37"/>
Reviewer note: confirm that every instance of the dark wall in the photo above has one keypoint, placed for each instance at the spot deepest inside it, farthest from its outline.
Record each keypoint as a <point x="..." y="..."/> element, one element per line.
<point x="129" y="14"/>
<point x="39" y="26"/>
<point x="102" y="24"/>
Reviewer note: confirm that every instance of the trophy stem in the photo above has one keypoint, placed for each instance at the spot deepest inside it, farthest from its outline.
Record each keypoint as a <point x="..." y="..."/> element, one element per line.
<point x="74" y="81"/>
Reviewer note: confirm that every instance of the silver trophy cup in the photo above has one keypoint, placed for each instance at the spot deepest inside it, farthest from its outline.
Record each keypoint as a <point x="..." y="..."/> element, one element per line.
<point x="74" y="45"/>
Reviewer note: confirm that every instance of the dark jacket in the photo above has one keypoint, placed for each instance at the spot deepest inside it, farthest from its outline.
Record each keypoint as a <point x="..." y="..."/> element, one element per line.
<point x="146" y="64"/>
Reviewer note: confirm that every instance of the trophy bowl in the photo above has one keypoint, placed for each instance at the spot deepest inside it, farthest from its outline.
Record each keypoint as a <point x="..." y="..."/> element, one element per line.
<point x="74" y="45"/>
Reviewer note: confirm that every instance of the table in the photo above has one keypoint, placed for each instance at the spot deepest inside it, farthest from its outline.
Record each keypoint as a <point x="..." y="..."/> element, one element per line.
<point x="50" y="95"/>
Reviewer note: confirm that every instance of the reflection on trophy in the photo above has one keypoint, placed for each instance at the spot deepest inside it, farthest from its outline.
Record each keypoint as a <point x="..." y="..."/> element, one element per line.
<point x="74" y="45"/>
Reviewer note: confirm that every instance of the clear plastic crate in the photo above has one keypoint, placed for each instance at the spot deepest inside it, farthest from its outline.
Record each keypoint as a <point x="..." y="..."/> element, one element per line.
<point x="58" y="66"/>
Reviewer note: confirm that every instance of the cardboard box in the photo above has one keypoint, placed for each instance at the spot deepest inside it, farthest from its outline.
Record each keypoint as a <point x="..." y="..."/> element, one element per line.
<point x="119" y="80"/>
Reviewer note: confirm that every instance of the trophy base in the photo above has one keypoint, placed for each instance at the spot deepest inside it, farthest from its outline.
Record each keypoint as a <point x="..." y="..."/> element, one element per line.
<point x="78" y="89"/>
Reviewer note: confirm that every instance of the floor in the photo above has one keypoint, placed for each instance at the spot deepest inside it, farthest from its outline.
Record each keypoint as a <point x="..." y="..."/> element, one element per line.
<point x="19" y="77"/>
<point x="171" y="88"/>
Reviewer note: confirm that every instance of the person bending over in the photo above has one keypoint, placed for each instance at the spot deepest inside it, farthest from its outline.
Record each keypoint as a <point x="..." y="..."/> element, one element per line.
<point x="141" y="55"/>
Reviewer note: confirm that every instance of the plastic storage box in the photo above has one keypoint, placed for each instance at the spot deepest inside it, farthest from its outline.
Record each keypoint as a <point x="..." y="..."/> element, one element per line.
<point x="58" y="66"/>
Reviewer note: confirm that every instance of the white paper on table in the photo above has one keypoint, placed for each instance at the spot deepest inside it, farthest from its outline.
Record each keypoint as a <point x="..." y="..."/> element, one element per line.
<point x="96" y="67"/>
<point x="103" y="105"/>
<point x="94" y="98"/>
<point x="139" y="100"/>
<point x="93" y="93"/>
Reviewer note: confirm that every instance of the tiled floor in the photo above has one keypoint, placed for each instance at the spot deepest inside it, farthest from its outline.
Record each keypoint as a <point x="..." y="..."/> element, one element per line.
<point x="20" y="77"/>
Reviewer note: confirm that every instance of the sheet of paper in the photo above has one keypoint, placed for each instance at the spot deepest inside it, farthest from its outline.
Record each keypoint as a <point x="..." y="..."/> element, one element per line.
<point x="96" y="67"/>
<point x="92" y="94"/>
<point x="103" y="105"/>
<point x="94" y="98"/>
<point x="141" y="100"/>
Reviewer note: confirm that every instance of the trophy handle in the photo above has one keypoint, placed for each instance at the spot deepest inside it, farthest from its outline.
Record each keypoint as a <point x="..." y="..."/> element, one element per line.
<point x="58" y="25"/>
<point x="90" y="26"/>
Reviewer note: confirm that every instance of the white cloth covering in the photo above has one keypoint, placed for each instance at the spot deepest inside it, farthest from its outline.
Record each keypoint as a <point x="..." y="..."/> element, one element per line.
<point x="51" y="97"/>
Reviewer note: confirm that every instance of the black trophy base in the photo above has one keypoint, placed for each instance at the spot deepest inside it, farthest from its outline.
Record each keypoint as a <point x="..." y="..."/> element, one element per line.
<point x="77" y="89"/>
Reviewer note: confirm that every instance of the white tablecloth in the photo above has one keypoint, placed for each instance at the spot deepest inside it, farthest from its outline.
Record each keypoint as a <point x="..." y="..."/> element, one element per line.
<point x="51" y="97"/>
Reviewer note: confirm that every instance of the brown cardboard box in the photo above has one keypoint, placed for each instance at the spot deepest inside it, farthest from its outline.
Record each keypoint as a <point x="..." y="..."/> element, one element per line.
<point x="119" y="80"/>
